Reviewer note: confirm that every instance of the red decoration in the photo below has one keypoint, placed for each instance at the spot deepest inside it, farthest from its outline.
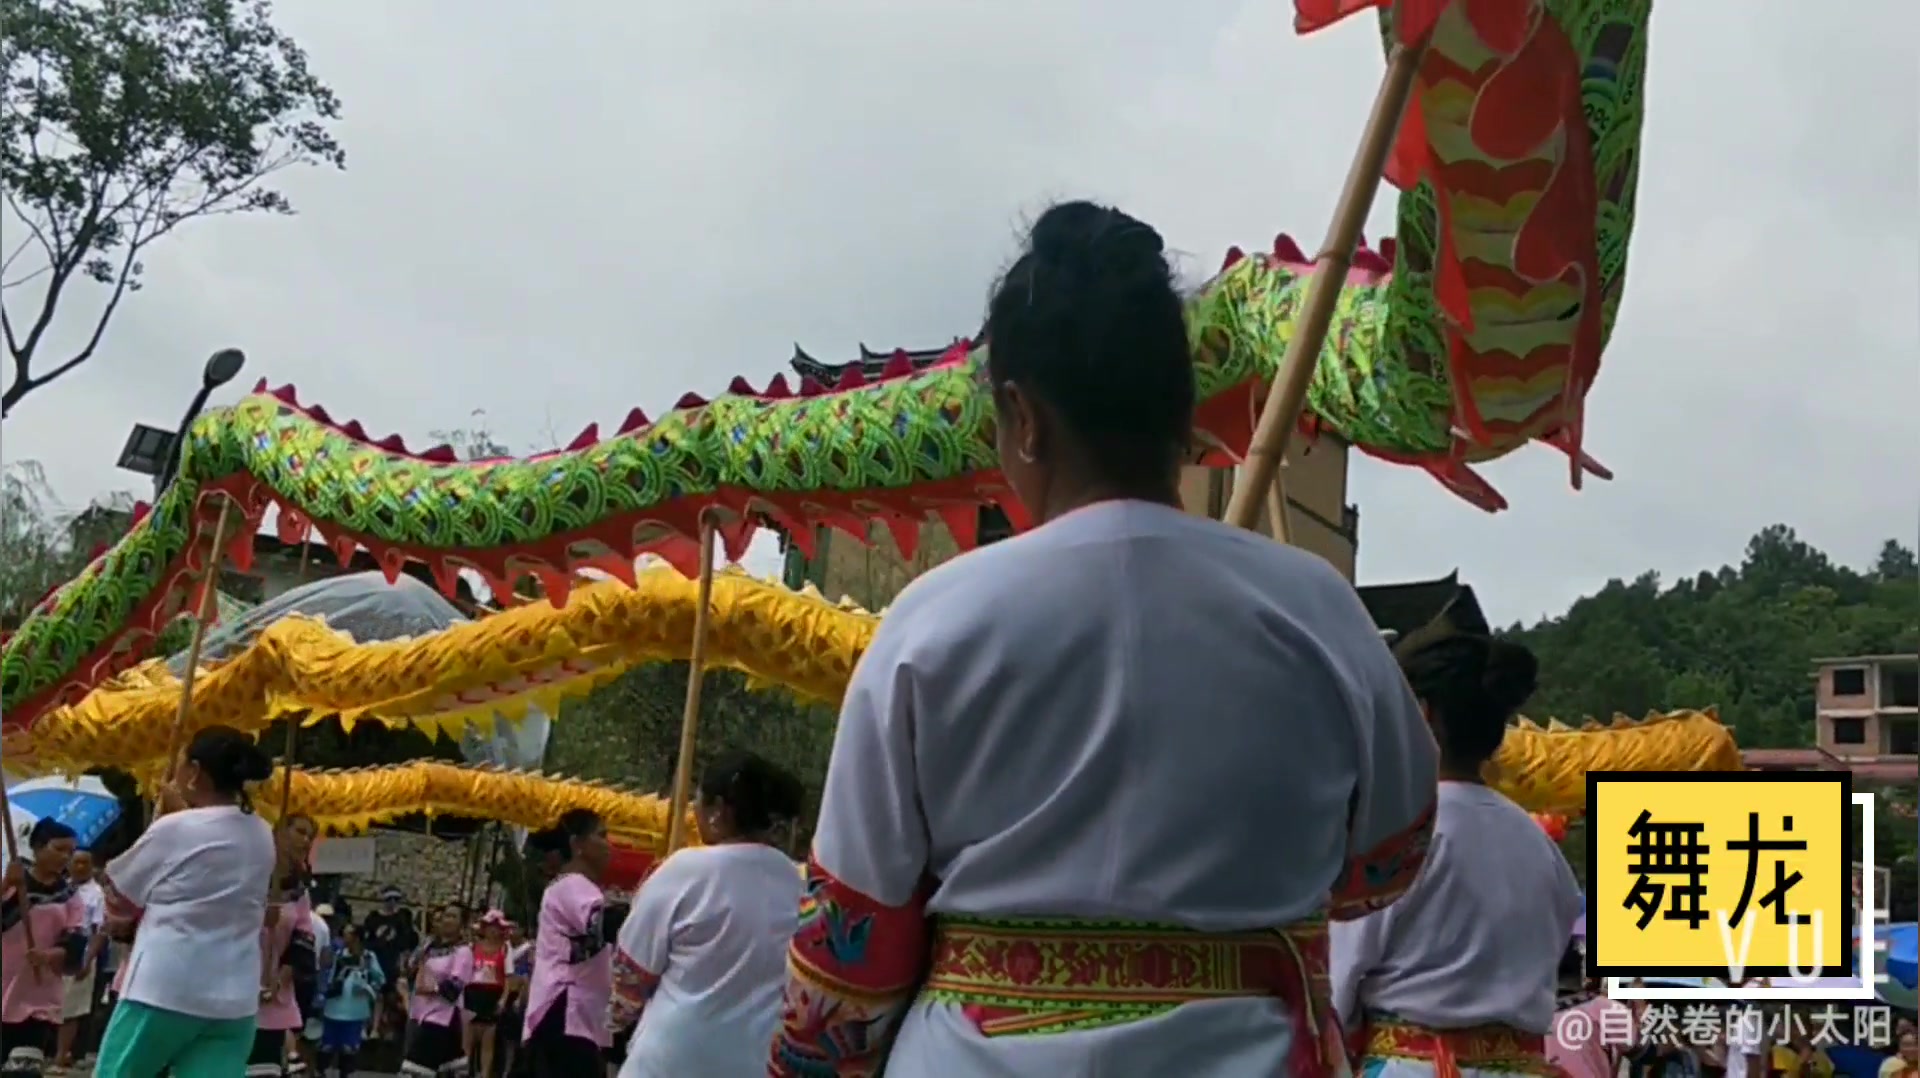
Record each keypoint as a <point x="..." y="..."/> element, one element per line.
<point x="626" y="868"/>
<point x="1553" y="823"/>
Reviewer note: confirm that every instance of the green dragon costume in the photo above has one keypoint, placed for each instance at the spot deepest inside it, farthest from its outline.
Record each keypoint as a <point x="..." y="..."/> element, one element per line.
<point x="1479" y="331"/>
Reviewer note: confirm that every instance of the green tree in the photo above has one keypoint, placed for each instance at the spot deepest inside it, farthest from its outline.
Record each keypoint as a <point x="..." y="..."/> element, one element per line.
<point x="1896" y="563"/>
<point x="628" y="731"/>
<point x="1742" y="638"/>
<point x="123" y="120"/>
<point x="44" y="544"/>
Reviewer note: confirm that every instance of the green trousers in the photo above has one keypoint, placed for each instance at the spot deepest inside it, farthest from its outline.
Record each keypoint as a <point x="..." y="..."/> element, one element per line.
<point x="143" y="1041"/>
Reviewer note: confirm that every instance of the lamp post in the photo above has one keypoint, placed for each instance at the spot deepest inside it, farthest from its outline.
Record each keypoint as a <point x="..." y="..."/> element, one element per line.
<point x="155" y="452"/>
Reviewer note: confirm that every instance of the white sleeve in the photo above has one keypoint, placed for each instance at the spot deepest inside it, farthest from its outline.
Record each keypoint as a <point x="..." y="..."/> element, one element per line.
<point x="647" y="936"/>
<point x="872" y="835"/>
<point x="1356" y="947"/>
<point x="1391" y="826"/>
<point x="136" y="872"/>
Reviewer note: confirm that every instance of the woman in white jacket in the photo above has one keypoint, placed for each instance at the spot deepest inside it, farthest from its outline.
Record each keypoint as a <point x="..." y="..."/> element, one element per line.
<point x="702" y="957"/>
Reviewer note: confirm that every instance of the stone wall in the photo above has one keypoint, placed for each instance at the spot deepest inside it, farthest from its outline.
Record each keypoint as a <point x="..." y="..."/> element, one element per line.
<point x="429" y="870"/>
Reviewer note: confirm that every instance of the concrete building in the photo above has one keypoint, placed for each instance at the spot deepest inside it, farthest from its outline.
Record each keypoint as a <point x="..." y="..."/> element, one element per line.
<point x="1866" y="717"/>
<point x="1867" y="707"/>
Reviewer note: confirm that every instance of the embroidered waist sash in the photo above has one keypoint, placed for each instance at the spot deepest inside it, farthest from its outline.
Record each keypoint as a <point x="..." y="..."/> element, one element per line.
<point x="1492" y="1047"/>
<point x="1054" y="976"/>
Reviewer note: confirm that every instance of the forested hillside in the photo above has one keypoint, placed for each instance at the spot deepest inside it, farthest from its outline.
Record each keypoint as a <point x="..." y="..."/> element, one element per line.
<point x="1741" y="638"/>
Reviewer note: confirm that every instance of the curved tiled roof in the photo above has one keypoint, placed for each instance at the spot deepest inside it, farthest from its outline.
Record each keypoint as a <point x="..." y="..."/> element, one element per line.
<point x="870" y="362"/>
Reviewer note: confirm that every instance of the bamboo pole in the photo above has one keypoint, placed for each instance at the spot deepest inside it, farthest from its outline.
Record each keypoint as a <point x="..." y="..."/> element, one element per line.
<point x="286" y="768"/>
<point x="1281" y="414"/>
<point x="201" y="616"/>
<point x="293" y="720"/>
<point x="690" y="718"/>
<point x="1277" y="506"/>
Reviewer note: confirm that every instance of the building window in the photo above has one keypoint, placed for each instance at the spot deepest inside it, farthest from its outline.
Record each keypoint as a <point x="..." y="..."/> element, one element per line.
<point x="1904" y="738"/>
<point x="1849" y="732"/>
<point x="1901" y="688"/>
<point x="1850" y="681"/>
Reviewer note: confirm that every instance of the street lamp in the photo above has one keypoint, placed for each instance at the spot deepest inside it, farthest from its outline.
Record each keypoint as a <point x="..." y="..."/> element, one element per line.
<point x="155" y="452"/>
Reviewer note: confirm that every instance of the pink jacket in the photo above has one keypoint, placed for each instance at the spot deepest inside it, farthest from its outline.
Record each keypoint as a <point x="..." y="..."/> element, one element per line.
<point x="27" y="994"/>
<point x="293" y="929"/>
<point x="442" y="966"/>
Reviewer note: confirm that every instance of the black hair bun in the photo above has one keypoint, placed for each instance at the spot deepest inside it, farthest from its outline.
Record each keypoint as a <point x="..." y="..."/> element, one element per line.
<point x="252" y="764"/>
<point x="1510" y="674"/>
<point x="1098" y="242"/>
<point x="760" y="792"/>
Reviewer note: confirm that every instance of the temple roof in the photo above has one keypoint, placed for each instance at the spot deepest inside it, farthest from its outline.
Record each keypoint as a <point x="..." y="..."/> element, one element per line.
<point x="871" y="363"/>
<point x="1402" y="608"/>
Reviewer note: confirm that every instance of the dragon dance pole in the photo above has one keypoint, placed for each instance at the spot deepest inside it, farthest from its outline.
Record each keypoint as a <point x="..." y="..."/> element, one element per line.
<point x="690" y="719"/>
<point x="201" y="616"/>
<point x="286" y="769"/>
<point x="293" y="719"/>
<point x="1281" y="413"/>
<point x="1277" y="505"/>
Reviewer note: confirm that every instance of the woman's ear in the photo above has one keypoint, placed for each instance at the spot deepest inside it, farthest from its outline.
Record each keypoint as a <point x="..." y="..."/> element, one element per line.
<point x="1023" y="434"/>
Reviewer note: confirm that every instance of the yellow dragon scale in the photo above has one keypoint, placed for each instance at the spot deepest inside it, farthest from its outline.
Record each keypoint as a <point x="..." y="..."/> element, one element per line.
<point x="536" y="654"/>
<point x="351" y="801"/>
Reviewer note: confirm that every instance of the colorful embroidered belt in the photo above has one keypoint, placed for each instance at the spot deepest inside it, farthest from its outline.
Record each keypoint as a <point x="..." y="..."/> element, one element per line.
<point x="1054" y="976"/>
<point x="1490" y="1048"/>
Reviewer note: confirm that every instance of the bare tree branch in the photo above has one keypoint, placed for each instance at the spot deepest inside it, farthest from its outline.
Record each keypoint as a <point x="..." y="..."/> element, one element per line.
<point x="113" y="301"/>
<point x="123" y="121"/>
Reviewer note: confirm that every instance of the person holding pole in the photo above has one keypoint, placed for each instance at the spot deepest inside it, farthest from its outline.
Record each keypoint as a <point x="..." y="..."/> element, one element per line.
<point x="44" y="921"/>
<point x="1097" y="790"/>
<point x="199" y="878"/>
<point x="1462" y="974"/>
<point x="703" y="956"/>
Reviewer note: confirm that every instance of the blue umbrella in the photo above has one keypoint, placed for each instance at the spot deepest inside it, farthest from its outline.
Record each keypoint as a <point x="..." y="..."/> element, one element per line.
<point x="1903" y="952"/>
<point x="84" y="804"/>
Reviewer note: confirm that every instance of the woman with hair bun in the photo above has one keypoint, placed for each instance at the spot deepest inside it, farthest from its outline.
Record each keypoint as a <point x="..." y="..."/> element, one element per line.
<point x="198" y="880"/>
<point x="1130" y="731"/>
<point x="566" y="1019"/>
<point x="703" y="955"/>
<point x="1465" y="967"/>
<point x="40" y="901"/>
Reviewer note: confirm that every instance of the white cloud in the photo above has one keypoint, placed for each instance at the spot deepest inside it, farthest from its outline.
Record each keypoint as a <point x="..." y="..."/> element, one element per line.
<point x="555" y="214"/>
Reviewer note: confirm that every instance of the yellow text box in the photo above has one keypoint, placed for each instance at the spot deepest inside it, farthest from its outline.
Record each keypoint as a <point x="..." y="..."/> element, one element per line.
<point x="1669" y="874"/>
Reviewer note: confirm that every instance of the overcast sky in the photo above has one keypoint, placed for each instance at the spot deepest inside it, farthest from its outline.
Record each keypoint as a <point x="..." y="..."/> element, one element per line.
<point x="556" y="213"/>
